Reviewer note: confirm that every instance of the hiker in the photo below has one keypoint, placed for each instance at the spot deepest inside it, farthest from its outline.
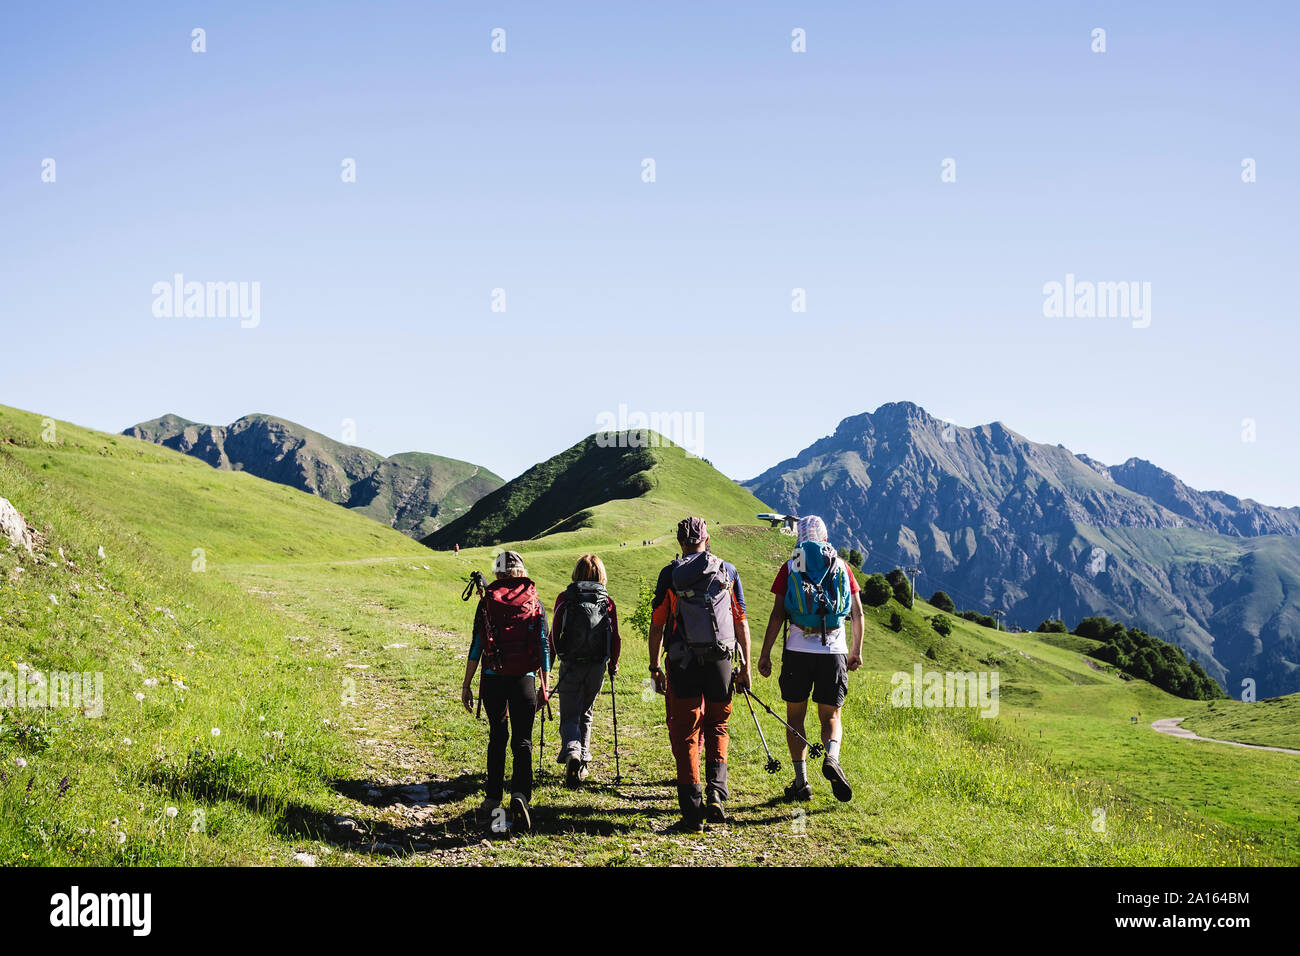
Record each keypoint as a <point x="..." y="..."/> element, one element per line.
<point x="815" y="591"/>
<point x="587" y="643"/>
<point x="456" y="551"/>
<point x="511" y="639"/>
<point x="698" y="619"/>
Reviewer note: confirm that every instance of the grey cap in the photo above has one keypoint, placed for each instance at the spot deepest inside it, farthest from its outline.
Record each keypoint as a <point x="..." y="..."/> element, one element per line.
<point x="692" y="530"/>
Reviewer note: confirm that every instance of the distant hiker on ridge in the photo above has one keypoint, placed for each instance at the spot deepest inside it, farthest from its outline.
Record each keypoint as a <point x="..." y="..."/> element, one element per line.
<point x="510" y="637"/>
<point x="815" y="591"/>
<point x="698" y="617"/>
<point x="587" y="642"/>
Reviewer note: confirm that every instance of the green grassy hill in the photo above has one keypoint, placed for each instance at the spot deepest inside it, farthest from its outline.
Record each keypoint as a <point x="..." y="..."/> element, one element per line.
<point x="657" y="485"/>
<point x="235" y="728"/>
<point x="1267" y="723"/>
<point x="328" y="651"/>
<point x="414" y="492"/>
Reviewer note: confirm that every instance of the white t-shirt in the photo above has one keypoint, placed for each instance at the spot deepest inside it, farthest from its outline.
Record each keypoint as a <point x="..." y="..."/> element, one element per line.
<point x="811" y="643"/>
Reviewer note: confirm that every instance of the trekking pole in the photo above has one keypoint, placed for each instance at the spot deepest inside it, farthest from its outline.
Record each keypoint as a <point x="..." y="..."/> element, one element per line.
<point x="477" y="584"/>
<point x="773" y="765"/>
<point x="541" y="743"/>
<point x="614" y="704"/>
<point x="816" y="750"/>
<point x="541" y="740"/>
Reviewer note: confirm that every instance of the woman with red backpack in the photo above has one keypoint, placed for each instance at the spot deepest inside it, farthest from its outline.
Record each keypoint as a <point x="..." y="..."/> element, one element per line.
<point x="510" y="638"/>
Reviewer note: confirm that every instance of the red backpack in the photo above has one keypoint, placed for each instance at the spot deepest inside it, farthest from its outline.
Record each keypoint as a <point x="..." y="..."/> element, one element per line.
<point x="513" y="627"/>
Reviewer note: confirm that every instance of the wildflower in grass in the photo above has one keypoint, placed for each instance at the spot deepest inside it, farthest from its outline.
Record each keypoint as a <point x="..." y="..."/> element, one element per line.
<point x="127" y="741"/>
<point x="216" y="731"/>
<point x="171" y="813"/>
<point x="63" y="785"/>
<point x="151" y="682"/>
<point x="21" y="762"/>
<point x="139" y="696"/>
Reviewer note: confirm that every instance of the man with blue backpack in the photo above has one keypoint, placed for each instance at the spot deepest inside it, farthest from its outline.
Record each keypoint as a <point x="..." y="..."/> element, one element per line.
<point x="815" y="593"/>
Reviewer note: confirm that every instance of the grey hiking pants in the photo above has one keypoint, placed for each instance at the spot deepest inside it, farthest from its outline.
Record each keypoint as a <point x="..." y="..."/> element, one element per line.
<point x="579" y="686"/>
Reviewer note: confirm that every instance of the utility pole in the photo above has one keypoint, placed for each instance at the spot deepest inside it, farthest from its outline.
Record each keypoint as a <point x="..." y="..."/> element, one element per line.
<point x="913" y="570"/>
<point x="997" y="619"/>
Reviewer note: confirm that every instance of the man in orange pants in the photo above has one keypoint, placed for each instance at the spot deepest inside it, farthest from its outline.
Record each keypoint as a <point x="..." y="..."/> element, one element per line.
<point x="699" y="620"/>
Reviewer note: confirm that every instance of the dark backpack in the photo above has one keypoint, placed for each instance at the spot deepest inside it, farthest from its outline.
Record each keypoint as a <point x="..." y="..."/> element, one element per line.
<point x="705" y="627"/>
<point x="513" y="633"/>
<point x="583" y="634"/>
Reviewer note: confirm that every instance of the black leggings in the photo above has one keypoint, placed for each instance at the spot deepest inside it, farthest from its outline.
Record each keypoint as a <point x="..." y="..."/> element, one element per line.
<point x="516" y="696"/>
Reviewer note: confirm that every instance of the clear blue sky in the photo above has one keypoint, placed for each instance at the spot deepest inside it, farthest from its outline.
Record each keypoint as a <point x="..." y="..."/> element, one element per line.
<point x="775" y="170"/>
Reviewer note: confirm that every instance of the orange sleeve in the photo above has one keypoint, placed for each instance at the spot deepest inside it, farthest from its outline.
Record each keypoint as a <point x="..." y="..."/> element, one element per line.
<point x="664" y="612"/>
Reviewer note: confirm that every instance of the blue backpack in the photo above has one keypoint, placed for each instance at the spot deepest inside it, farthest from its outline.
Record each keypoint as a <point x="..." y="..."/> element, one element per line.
<point x="817" y="596"/>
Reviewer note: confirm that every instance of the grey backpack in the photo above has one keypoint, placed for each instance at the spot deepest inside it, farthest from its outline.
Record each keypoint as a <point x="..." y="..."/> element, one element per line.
<point x="704" y="623"/>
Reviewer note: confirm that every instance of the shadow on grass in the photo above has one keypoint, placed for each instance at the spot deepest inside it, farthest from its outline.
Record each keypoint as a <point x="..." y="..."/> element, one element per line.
<point x="420" y="827"/>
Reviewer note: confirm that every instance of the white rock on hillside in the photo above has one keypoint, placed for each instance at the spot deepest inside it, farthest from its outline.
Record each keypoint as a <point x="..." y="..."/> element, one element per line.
<point x="14" y="526"/>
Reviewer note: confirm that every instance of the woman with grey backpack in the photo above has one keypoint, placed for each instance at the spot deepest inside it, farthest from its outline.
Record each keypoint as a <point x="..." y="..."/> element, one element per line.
<point x="588" y="646"/>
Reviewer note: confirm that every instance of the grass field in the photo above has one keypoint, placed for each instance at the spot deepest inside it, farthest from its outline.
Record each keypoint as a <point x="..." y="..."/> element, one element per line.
<point x="328" y="652"/>
<point x="1268" y="723"/>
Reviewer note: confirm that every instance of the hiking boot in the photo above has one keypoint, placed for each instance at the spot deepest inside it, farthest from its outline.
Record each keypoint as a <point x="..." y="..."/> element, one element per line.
<point x="716" y="781"/>
<point x="690" y="800"/>
<point x="573" y="772"/>
<point x="715" y="812"/>
<point x="798" y="792"/>
<point x="519" y="817"/>
<point x="583" y="771"/>
<point x="833" y="772"/>
<point x="488" y="805"/>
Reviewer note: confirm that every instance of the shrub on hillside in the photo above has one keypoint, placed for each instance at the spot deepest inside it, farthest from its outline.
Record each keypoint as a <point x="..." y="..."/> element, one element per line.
<point x="901" y="587"/>
<point x="941" y="600"/>
<point x="895" y="622"/>
<point x="1050" y="626"/>
<point x="640" y="619"/>
<point x="941" y="624"/>
<point x="983" y="620"/>
<point x="876" y="591"/>
<point x="1137" y="653"/>
<point x="855" y="558"/>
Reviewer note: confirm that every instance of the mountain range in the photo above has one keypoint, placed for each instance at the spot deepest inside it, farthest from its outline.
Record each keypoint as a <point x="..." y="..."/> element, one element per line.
<point x="414" y="492"/>
<point x="997" y="521"/>
<point x="1001" y="522"/>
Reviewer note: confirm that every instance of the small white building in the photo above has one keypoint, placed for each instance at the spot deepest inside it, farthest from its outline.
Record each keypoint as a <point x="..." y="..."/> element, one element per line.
<point x="789" y="524"/>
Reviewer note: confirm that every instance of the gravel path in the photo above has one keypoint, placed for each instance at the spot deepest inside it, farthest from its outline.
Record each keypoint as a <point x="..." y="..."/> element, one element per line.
<point x="1169" y="725"/>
